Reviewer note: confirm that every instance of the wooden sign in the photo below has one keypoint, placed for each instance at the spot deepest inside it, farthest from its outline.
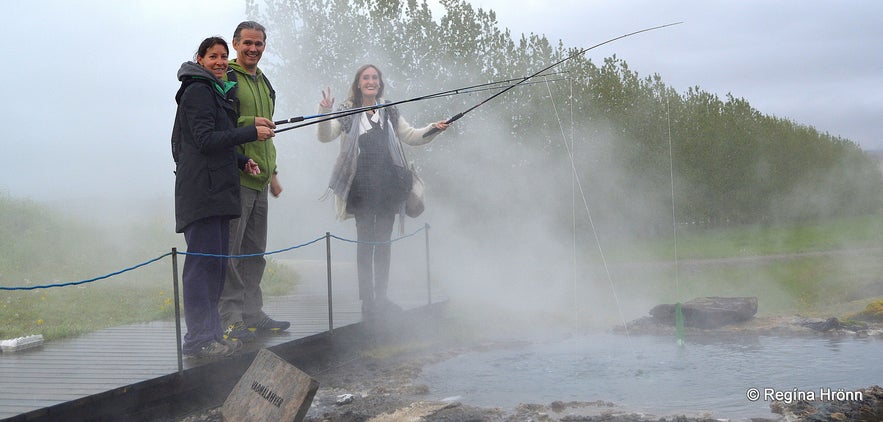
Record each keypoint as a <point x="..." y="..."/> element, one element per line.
<point x="270" y="390"/>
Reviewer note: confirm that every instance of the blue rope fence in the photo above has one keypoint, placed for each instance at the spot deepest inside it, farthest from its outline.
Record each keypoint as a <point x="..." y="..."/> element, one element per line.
<point x="74" y="283"/>
<point x="382" y="243"/>
<point x="134" y="267"/>
<point x="253" y="254"/>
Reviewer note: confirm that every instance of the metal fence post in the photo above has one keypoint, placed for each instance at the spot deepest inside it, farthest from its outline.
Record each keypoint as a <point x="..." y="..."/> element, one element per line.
<point x="428" y="278"/>
<point x="328" y="270"/>
<point x="177" y="311"/>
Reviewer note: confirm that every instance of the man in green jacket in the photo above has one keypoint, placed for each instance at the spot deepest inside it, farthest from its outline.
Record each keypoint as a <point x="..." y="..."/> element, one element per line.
<point x="241" y="305"/>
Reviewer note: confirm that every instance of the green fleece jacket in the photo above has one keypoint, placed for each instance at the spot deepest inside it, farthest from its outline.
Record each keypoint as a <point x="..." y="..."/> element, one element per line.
<point x="254" y="101"/>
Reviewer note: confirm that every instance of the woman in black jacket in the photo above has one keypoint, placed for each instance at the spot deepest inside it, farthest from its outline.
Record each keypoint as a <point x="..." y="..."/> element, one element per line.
<point x="207" y="189"/>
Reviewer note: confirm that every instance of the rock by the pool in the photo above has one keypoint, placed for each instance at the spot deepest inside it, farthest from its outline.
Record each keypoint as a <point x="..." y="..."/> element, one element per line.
<point x="708" y="312"/>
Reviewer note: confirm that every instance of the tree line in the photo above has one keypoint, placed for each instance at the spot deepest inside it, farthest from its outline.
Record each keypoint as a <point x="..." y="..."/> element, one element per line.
<point x="712" y="161"/>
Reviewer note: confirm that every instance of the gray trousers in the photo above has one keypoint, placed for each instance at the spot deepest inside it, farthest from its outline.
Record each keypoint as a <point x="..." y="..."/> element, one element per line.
<point x="242" y="299"/>
<point x="373" y="253"/>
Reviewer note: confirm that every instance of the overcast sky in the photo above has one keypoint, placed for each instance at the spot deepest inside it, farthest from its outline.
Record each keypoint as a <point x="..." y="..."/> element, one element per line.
<point x="819" y="63"/>
<point x="90" y="84"/>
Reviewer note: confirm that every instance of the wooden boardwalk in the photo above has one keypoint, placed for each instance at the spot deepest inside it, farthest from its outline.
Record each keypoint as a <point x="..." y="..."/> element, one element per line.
<point x="66" y="370"/>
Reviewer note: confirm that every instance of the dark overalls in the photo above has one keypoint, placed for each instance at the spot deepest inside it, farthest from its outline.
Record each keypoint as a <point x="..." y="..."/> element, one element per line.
<point x="374" y="200"/>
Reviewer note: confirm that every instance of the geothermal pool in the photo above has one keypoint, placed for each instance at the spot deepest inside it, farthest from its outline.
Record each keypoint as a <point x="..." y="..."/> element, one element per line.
<point x="652" y="374"/>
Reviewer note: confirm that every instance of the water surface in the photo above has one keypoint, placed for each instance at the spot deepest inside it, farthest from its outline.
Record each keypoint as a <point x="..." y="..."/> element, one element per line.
<point x="653" y="374"/>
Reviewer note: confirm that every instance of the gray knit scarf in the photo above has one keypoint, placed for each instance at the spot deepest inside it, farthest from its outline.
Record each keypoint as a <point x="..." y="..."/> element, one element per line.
<point x="345" y="166"/>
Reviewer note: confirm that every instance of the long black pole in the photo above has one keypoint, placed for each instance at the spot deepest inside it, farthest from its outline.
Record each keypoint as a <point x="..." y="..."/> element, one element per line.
<point x="428" y="274"/>
<point x="342" y="113"/>
<point x="328" y="273"/>
<point x="177" y="311"/>
<point x="467" y="90"/>
<point x="461" y="114"/>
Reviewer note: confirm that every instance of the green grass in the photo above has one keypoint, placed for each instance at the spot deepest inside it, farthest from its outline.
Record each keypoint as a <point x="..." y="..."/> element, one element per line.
<point x="67" y="311"/>
<point x="40" y="247"/>
<point x="812" y="269"/>
<point x="755" y="240"/>
<point x="803" y="285"/>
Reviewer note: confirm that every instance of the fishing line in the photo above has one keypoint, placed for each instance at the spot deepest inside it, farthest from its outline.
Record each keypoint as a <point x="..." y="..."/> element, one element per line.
<point x="573" y="272"/>
<point x="343" y="113"/>
<point x="585" y="201"/>
<point x="573" y="212"/>
<point x="679" y="314"/>
<point x="579" y="53"/>
<point x="465" y="90"/>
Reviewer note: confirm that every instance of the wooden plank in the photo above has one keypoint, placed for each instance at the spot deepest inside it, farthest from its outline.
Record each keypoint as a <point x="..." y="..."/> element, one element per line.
<point x="68" y="370"/>
<point x="270" y="390"/>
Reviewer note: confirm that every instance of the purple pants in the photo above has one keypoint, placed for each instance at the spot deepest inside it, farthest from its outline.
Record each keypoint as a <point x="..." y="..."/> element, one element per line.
<point x="204" y="280"/>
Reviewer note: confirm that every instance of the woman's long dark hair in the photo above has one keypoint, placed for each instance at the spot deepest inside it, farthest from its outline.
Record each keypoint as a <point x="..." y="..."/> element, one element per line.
<point x="356" y="93"/>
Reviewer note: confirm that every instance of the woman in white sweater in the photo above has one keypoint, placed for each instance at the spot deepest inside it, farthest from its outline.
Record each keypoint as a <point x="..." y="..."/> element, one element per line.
<point x="370" y="179"/>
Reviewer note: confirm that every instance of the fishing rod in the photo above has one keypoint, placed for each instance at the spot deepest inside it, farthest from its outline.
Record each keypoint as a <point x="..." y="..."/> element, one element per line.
<point x="464" y="90"/>
<point x="472" y="91"/>
<point x="457" y="116"/>
<point x="342" y="113"/>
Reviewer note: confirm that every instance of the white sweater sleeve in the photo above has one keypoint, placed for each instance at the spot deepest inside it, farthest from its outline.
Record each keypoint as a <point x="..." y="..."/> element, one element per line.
<point x="411" y="135"/>
<point x="328" y="130"/>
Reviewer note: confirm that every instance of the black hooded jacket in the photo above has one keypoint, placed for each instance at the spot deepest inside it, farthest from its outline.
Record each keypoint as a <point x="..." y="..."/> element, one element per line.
<point x="203" y="141"/>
